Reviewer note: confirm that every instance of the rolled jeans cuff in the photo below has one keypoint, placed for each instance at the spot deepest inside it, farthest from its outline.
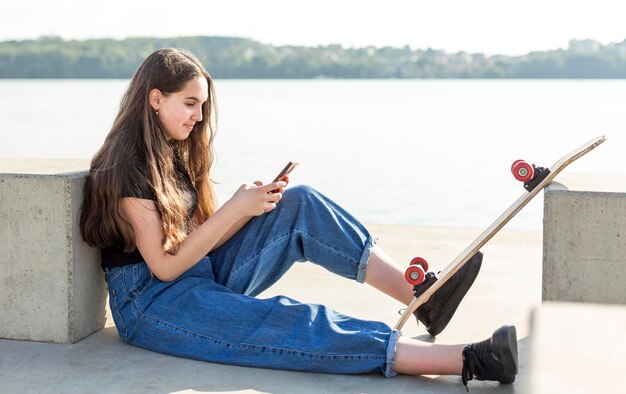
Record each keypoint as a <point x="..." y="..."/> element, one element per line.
<point x="391" y="354"/>
<point x="369" y="244"/>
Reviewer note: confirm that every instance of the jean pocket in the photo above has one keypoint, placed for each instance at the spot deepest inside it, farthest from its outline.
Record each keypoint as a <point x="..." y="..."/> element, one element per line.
<point x="110" y="274"/>
<point x="143" y="279"/>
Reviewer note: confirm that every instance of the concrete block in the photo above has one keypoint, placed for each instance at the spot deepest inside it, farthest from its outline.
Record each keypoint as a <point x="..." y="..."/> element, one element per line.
<point x="584" y="256"/>
<point x="577" y="348"/>
<point x="51" y="286"/>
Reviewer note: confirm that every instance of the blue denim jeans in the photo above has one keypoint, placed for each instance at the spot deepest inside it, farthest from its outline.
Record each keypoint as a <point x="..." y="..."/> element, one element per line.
<point x="210" y="312"/>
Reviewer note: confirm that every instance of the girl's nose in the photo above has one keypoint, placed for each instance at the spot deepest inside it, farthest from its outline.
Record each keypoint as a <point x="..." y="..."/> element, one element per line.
<point x="197" y="114"/>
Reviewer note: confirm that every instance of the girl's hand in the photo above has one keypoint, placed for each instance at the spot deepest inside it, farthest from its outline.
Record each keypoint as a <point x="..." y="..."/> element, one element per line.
<point x="281" y="189"/>
<point x="285" y="179"/>
<point x="257" y="199"/>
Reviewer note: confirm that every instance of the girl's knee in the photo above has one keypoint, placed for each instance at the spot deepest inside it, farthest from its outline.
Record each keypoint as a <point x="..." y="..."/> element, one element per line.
<point x="300" y="193"/>
<point x="305" y="200"/>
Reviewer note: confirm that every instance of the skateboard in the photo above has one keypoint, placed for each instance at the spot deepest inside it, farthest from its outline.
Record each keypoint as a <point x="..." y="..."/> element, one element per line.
<point x="535" y="179"/>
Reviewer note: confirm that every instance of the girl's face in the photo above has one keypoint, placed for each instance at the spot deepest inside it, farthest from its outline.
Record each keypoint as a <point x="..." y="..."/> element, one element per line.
<point x="180" y="111"/>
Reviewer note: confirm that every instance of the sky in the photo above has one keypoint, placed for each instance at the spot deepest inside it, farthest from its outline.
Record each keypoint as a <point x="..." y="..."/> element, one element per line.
<point x="508" y="27"/>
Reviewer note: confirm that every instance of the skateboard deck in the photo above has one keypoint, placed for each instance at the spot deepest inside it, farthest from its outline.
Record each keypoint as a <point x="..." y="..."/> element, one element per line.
<point x="536" y="179"/>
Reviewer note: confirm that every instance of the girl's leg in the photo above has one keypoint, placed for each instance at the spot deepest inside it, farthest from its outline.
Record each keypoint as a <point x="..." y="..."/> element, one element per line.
<point x="415" y="357"/>
<point x="305" y="226"/>
<point x="386" y="275"/>
<point x="492" y="359"/>
<point x="197" y="318"/>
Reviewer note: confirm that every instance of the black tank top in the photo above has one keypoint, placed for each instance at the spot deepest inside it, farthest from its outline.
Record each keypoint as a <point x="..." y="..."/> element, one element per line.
<point x="114" y="255"/>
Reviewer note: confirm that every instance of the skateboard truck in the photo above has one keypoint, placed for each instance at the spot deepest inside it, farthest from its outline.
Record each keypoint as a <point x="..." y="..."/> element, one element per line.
<point x="417" y="274"/>
<point x="419" y="288"/>
<point x="530" y="174"/>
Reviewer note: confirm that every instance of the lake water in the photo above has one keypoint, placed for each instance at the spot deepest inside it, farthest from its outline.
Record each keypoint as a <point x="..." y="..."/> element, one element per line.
<point x="419" y="152"/>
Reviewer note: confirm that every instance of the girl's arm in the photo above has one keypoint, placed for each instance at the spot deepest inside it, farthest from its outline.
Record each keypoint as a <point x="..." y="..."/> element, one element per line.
<point x="248" y="201"/>
<point x="195" y="223"/>
<point x="233" y="230"/>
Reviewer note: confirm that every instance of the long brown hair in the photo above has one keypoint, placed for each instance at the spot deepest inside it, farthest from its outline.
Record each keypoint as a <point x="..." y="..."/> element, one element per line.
<point x="137" y="149"/>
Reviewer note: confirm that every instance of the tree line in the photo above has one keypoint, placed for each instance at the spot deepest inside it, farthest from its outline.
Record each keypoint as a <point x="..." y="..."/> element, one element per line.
<point x="233" y="57"/>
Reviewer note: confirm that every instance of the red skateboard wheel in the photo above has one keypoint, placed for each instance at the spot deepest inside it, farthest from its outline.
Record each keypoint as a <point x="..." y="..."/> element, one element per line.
<point x="415" y="274"/>
<point x="522" y="171"/>
<point x="421" y="261"/>
<point x="514" y="163"/>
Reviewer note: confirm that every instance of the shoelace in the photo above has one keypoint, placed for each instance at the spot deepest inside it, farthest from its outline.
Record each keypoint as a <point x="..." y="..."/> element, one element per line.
<point x="468" y="371"/>
<point x="477" y="359"/>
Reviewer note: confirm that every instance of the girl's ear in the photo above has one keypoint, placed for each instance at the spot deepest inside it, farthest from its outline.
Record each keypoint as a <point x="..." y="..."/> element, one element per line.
<point x="155" y="98"/>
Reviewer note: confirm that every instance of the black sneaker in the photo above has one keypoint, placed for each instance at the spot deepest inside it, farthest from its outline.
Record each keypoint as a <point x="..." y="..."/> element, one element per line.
<point x="436" y="313"/>
<point x="492" y="359"/>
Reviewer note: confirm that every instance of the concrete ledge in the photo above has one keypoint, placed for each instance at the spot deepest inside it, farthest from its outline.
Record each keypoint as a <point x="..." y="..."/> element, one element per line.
<point x="577" y="348"/>
<point x="43" y="166"/>
<point x="52" y="288"/>
<point x="584" y="256"/>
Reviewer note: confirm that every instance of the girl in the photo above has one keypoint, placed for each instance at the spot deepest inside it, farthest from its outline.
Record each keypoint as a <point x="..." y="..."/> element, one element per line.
<point x="183" y="274"/>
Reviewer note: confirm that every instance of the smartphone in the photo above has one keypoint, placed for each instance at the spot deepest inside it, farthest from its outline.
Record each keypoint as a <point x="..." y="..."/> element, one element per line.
<point x="285" y="172"/>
